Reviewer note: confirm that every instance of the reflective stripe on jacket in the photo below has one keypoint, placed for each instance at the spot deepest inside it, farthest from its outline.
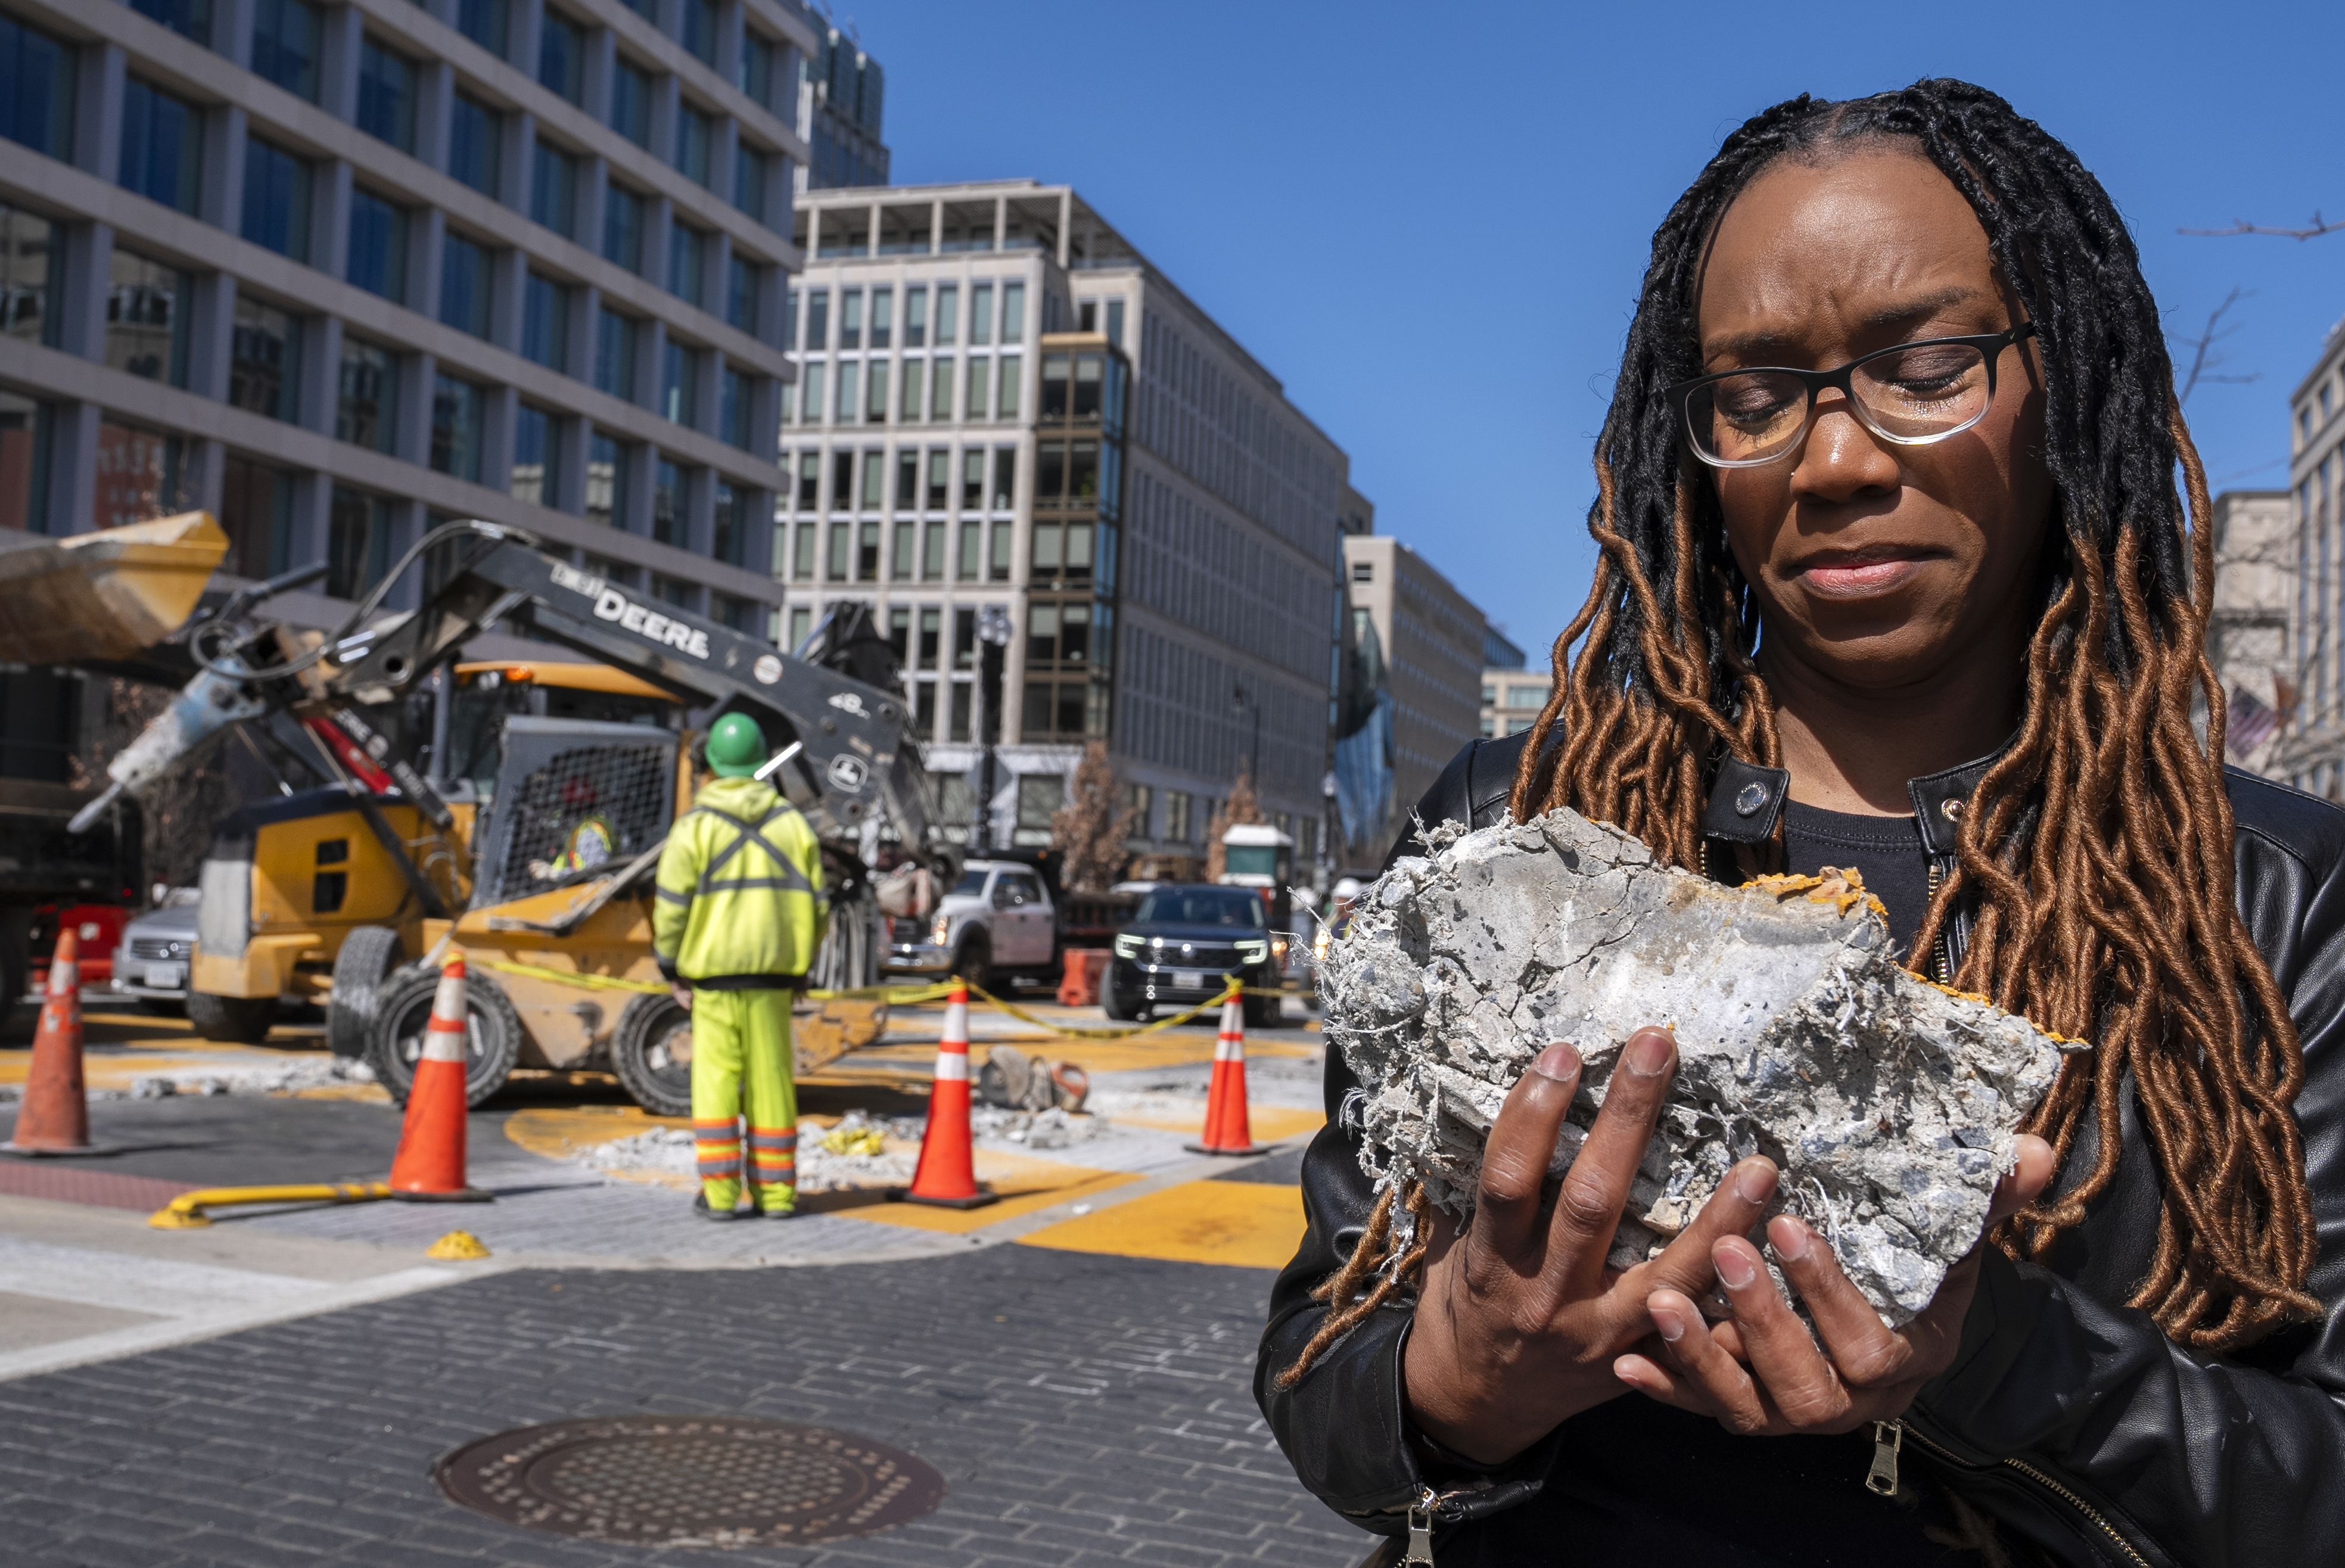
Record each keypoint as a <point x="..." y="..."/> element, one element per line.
<point x="738" y="902"/>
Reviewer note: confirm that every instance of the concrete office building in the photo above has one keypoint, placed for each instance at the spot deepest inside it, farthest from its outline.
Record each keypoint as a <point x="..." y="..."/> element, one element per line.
<point x="842" y="94"/>
<point x="2247" y="637"/>
<point x="1002" y="405"/>
<point x="2311" y="753"/>
<point x="1416" y="648"/>
<point x="1512" y="698"/>
<point x="337" y="271"/>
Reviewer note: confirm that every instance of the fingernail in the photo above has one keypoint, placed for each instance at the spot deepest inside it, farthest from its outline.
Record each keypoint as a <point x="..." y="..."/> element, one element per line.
<point x="1734" y="1269"/>
<point x="1754" y="1182"/>
<point x="1666" y="1319"/>
<point x="1559" y="1061"/>
<point x="1790" y="1237"/>
<point x="1650" y="1053"/>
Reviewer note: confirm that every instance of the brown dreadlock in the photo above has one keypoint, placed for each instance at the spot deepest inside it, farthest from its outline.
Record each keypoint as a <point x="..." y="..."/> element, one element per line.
<point x="2098" y="851"/>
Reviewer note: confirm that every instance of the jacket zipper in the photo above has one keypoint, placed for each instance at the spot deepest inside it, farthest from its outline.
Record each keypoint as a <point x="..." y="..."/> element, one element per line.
<point x="1942" y="968"/>
<point x="1889" y="1437"/>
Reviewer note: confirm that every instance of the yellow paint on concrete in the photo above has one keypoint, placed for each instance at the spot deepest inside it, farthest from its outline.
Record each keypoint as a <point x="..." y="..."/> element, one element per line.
<point x="565" y="1132"/>
<point x="1243" y="1224"/>
<point x="1270" y="1123"/>
<point x="1025" y="1183"/>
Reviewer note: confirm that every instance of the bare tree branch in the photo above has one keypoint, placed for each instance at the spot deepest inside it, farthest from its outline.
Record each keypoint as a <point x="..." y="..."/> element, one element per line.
<point x="2320" y="227"/>
<point x="2204" y="358"/>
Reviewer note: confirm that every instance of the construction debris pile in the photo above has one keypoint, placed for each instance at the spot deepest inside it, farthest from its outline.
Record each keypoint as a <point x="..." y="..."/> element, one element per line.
<point x="1889" y="1104"/>
<point x="859" y="1150"/>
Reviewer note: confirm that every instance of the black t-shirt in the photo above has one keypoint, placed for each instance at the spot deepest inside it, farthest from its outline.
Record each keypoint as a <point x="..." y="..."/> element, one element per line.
<point x="1640" y="1483"/>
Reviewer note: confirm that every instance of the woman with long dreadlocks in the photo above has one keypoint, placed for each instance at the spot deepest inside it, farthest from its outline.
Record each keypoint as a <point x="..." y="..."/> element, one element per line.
<point x="1893" y="575"/>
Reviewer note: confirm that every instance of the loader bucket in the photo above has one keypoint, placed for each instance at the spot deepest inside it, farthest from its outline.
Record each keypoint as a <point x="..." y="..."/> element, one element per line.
<point x="105" y="595"/>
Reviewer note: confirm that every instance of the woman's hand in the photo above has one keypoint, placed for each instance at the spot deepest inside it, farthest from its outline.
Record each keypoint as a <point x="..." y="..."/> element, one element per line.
<point x="1762" y="1371"/>
<point x="1519" y="1320"/>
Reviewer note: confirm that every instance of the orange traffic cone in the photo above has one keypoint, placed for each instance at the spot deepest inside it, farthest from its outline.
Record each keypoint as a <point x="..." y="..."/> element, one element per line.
<point x="1228" y="1130"/>
<point x="429" y="1165"/>
<point x="947" y="1174"/>
<point x="54" y="1118"/>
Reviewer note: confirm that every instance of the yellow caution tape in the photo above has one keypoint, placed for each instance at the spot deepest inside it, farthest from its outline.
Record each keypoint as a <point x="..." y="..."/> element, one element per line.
<point x="1074" y="1032"/>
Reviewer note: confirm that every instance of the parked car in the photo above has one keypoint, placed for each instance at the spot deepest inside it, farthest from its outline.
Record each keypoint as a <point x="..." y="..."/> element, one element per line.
<point x="151" y="964"/>
<point x="1184" y="942"/>
<point x="996" y="927"/>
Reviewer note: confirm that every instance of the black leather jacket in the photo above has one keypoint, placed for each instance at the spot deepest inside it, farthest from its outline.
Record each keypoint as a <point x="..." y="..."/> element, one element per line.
<point x="2067" y="1417"/>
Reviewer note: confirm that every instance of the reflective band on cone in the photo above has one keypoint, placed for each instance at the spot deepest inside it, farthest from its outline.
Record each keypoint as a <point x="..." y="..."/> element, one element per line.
<point x="55" y="1114"/>
<point x="947" y="1174"/>
<point x="1228" y="1128"/>
<point x="430" y="1161"/>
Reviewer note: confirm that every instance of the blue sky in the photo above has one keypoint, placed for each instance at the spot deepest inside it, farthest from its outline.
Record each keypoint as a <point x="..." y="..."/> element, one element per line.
<point x="1429" y="221"/>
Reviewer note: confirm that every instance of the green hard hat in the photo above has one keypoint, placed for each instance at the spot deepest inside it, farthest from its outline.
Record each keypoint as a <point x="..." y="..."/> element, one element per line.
<point x="736" y="747"/>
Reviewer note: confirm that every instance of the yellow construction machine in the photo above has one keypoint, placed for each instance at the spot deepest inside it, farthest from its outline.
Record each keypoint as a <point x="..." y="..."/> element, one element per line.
<point x="528" y="835"/>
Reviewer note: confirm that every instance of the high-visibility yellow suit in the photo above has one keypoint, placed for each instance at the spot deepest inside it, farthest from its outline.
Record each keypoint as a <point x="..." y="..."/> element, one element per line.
<point x="738" y="917"/>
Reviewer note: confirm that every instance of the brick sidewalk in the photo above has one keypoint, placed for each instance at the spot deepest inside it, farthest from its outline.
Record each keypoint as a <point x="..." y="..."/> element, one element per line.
<point x="1084" y="1409"/>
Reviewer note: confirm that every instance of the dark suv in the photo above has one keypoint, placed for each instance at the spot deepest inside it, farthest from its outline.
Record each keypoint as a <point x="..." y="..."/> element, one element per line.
<point x="1184" y="942"/>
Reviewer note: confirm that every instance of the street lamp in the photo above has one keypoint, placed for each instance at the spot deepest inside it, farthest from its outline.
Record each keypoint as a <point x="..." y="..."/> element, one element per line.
<point x="992" y="643"/>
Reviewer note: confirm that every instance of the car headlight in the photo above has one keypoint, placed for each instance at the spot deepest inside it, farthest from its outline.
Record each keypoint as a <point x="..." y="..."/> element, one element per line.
<point x="1253" y="952"/>
<point x="1278" y="950"/>
<point x="940" y="931"/>
<point x="1129" y="947"/>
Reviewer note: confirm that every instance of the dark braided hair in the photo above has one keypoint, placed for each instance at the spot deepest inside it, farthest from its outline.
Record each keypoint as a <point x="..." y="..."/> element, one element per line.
<point x="2098" y="849"/>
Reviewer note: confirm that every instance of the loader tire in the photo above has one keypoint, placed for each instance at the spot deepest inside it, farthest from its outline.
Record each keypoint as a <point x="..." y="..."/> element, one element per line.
<point x="395" y="1043"/>
<point x="651" y="1051"/>
<point x="240" y="1021"/>
<point x="369" y="956"/>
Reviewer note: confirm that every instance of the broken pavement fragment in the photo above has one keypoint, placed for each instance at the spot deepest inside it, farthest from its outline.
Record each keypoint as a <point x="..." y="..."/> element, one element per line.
<point x="1889" y="1104"/>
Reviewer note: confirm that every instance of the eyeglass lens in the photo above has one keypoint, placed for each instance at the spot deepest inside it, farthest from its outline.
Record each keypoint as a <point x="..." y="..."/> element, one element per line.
<point x="1911" y="395"/>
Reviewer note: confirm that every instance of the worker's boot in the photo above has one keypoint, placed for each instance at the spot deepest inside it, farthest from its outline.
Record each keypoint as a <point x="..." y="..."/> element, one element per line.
<point x="717" y="1201"/>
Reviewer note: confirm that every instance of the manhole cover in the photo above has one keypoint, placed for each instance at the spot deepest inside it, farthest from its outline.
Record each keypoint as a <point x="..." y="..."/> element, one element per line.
<point x="690" y="1481"/>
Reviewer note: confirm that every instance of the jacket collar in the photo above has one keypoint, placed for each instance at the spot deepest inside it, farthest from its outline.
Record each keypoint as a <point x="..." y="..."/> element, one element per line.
<point x="1746" y="801"/>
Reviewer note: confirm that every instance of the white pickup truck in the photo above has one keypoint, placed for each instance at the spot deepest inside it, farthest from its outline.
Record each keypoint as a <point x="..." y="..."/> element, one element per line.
<point x="995" y="925"/>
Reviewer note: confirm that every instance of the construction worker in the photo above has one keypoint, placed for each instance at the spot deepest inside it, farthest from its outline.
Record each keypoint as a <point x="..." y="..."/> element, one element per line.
<point x="737" y="920"/>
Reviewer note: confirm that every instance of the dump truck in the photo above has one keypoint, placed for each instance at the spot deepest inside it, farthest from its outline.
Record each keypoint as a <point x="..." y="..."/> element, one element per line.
<point x="547" y="887"/>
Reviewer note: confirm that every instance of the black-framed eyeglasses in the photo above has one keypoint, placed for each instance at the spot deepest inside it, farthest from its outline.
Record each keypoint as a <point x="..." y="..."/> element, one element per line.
<point x="1912" y="394"/>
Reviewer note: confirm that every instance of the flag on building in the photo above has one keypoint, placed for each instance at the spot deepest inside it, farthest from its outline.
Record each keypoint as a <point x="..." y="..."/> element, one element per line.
<point x="2251" y="723"/>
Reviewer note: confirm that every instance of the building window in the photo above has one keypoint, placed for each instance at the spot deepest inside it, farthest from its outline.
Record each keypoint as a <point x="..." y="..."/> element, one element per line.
<point x="973" y="404"/>
<point x="377" y="250"/>
<point x="631" y="104"/>
<point x="850" y="318"/>
<point x="387" y="96"/>
<point x="265" y="360"/>
<point x="972" y="479"/>
<point x="1005" y="477"/>
<point x="700" y="30"/>
<point x="475" y="140"/>
<point x="1014" y="313"/>
<point x="980" y="314"/>
<point x="667" y="503"/>
<point x="1006" y="406"/>
<point x="680" y="384"/>
<point x="1525" y="697"/>
<point x="728" y="540"/>
<point x="552" y="189"/>
<point x="801" y="626"/>
<point x="147" y="318"/>
<point x="456" y="427"/>
<point x="162" y="145"/>
<point x="749" y="181"/>
<point x="733" y="409"/>
<point x="545" y="323"/>
<point x="817" y="327"/>
<point x="866" y="552"/>
<point x="948" y="313"/>
<point x="562" y="56"/>
<point x="846" y="401"/>
<point x="32" y="274"/>
<point x="285" y="35"/>
<point x="536" y="436"/>
<point x="916" y="317"/>
<point x="842" y="481"/>
<point x="275" y="199"/>
<point x="1115" y="333"/>
<point x="883" y="312"/>
<point x="615" y="355"/>
<point x="622" y="228"/>
<point x="967" y="567"/>
<point x="753" y="75"/>
<point x="367" y="402"/>
<point x="875" y="475"/>
<point x="874" y="410"/>
<point x="693" y="133"/>
<point x="1176" y="815"/>
<point x="464" y="286"/>
<point x="802" y="556"/>
<point x="742" y="279"/>
<point x="834" y="565"/>
<point x="187" y="18"/>
<point x="957" y="728"/>
<point x="1364" y="571"/>
<point x="686" y="249"/>
<point x="483" y="22"/>
<point x="37" y="89"/>
<point x="606" y="480"/>
<point x="257" y="514"/>
<point x="899" y="552"/>
<point x="809" y="481"/>
<point x="358" y="542"/>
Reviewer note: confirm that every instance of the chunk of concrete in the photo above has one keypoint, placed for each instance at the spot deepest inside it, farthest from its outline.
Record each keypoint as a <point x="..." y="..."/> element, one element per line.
<point x="1889" y="1104"/>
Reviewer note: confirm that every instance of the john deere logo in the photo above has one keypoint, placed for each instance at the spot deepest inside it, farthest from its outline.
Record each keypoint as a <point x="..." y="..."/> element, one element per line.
<point x="612" y="605"/>
<point x="848" y="771"/>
